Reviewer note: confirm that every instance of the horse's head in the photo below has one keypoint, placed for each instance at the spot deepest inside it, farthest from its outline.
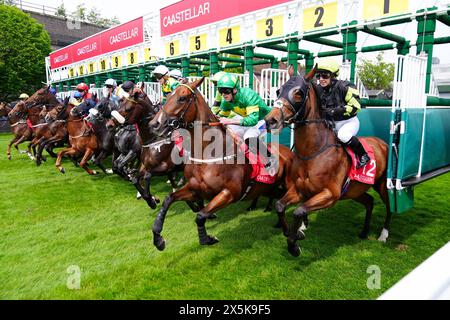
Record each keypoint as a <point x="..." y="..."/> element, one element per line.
<point x="292" y="101"/>
<point x="134" y="108"/>
<point x="19" y="111"/>
<point x="4" y="110"/>
<point x="41" y="97"/>
<point x="60" y="112"/>
<point x="179" y="110"/>
<point x="101" y="111"/>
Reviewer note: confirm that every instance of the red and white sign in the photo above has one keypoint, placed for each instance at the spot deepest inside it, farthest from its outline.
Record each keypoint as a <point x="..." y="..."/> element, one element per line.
<point x="190" y="14"/>
<point x="120" y="37"/>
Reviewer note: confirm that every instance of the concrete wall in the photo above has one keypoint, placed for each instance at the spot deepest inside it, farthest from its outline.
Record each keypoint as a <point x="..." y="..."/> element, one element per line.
<point x="62" y="32"/>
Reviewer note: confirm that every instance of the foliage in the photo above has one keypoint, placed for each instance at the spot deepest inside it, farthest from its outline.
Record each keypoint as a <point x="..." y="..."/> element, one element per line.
<point x="376" y="75"/>
<point x="61" y="11"/>
<point x="23" y="49"/>
<point x="94" y="16"/>
<point x="50" y="222"/>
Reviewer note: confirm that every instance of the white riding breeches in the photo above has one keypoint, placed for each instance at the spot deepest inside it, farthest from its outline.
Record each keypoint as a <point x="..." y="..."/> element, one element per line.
<point x="346" y="129"/>
<point x="259" y="130"/>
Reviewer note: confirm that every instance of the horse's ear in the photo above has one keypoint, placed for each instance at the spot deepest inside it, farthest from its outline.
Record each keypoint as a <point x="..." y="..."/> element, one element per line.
<point x="291" y="71"/>
<point x="311" y="74"/>
<point x="197" y="83"/>
<point x="142" y="86"/>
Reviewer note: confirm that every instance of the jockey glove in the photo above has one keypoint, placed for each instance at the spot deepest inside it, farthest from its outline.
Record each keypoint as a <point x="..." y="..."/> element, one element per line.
<point x="333" y="112"/>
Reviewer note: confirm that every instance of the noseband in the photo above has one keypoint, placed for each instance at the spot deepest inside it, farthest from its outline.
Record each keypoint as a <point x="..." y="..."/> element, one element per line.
<point x="178" y="122"/>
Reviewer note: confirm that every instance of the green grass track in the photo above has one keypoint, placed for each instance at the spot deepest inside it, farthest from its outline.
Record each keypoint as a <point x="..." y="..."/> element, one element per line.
<point x="50" y="222"/>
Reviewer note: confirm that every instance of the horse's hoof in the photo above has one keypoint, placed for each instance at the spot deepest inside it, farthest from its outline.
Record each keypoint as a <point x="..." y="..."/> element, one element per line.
<point x="268" y="209"/>
<point x="109" y="171"/>
<point x="384" y="236"/>
<point x="62" y="170"/>
<point x="209" y="241"/>
<point x="156" y="199"/>
<point x="251" y="208"/>
<point x="293" y="249"/>
<point x="9" y="158"/>
<point x="44" y="159"/>
<point x="94" y="173"/>
<point x="211" y="217"/>
<point x="152" y="203"/>
<point x="160" y="243"/>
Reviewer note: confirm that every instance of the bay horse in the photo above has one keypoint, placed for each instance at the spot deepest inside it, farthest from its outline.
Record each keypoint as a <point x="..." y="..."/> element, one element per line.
<point x="155" y="153"/>
<point x="318" y="173"/>
<point x="19" y="128"/>
<point x="81" y="138"/>
<point x="213" y="179"/>
<point x="36" y="123"/>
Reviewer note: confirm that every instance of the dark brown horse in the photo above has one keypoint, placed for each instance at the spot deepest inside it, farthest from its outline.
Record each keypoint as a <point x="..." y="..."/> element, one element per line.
<point x="208" y="178"/>
<point x="155" y="152"/>
<point x="318" y="174"/>
<point x="19" y="128"/>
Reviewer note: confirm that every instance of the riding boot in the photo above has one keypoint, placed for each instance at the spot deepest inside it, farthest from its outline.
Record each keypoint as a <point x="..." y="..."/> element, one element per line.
<point x="360" y="152"/>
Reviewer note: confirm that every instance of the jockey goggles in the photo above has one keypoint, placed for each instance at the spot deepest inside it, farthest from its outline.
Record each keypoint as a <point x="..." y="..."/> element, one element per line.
<point x="323" y="75"/>
<point x="225" y="90"/>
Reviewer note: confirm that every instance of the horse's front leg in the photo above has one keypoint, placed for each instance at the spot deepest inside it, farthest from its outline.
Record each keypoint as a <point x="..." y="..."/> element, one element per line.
<point x="220" y="201"/>
<point x="291" y="197"/>
<point x="323" y="200"/>
<point x="184" y="194"/>
<point x="87" y="155"/>
<point x="71" y="152"/>
<point x="136" y="180"/>
<point x="8" y="152"/>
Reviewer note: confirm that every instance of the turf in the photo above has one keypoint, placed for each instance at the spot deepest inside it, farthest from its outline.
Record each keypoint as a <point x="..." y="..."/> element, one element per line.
<point x="50" y="222"/>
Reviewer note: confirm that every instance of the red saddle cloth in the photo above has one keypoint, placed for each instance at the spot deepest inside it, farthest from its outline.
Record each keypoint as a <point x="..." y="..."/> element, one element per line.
<point x="259" y="173"/>
<point x="178" y="139"/>
<point x="30" y="125"/>
<point x="367" y="173"/>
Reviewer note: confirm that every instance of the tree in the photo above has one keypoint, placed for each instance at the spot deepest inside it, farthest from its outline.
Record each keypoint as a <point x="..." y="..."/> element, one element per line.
<point x="376" y="75"/>
<point x="61" y="11"/>
<point x="23" y="49"/>
<point x="80" y="12"/>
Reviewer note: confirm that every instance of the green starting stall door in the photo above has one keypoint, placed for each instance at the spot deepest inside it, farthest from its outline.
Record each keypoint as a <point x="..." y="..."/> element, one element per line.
<point x="419" y="138"/>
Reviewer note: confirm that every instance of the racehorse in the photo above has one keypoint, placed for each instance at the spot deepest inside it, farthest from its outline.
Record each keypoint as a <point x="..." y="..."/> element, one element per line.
<point x="128" y="142"/>
<point x="19" y="128"/>
<point x="35" y="122"/>
<point x="319" y="172"/>
<point x="213" y="179"/>
<point x="98" y="118"/>
<point x="42" y="97"/>
<point x="155" y="153"/>
<point x="82" y="140"/>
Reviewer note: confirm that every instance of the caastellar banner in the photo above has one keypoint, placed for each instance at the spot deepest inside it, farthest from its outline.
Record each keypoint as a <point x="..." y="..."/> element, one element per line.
<point x="116" y="38"/>
<point x="190" y="14"/>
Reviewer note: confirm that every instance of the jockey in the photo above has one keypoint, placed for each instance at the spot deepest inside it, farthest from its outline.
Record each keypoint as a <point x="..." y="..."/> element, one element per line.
<point x="176" y="74"/>
<point x="340" y="102"/>
<point x="52" y="91"/>
<point x="250" y="109"/>
<point x="168" y="83"/>
<point x="111" y="90"/>
<point x="23" y="97"/>
<point x="83" y="88"/>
